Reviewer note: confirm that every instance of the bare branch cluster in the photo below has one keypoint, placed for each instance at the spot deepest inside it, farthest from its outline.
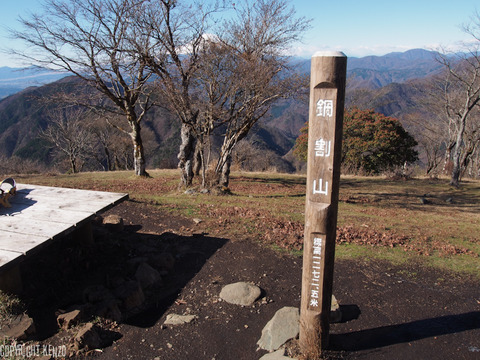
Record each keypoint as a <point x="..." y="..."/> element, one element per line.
<point x="218" y="75"/>
<point x="461" y="99"/>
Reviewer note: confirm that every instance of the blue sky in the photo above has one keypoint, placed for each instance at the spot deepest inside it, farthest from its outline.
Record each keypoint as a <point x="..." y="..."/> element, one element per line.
<point x="377" y="27"/>
<point x="356" y="27"/>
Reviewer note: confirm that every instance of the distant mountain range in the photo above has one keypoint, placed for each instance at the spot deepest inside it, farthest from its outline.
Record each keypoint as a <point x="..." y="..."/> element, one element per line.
<point x="373" y="72"/>
<point x="382" y="83"/>
<point x="13" y="80"/>
<point x="370" y="72"/>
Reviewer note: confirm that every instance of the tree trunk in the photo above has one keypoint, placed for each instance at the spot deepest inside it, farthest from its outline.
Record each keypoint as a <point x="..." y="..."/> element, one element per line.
<point x="197" y="158"/>
<point x="225" y="175"/>
<point x="73" y="164"/>
<point x="456" y="154"/>
<point x="222" y="169"/>
<point x="186" y="156"/>
<point x="138" y="151"/>
<point x="106" y="151"/>
<point x="446" y="160"/>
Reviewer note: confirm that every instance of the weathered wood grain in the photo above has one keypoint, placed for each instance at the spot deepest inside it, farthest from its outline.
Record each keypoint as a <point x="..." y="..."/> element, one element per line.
<point x="40" y="214"/>
<point x="327" y="94"/>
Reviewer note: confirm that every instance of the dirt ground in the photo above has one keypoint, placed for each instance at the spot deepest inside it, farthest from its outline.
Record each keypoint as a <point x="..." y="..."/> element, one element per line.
<point x="389" y="312"/>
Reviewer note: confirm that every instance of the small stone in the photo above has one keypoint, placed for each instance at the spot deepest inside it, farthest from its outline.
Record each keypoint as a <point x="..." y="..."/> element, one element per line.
<point x="240" y="293"/>
<point x="335" y="312"/>
<point x="197" y="221"/>
<point x="69" y="319"/>
<point x="113" y="223"/>
<point x="174" y="319"/>
<point x="277" y="355"/>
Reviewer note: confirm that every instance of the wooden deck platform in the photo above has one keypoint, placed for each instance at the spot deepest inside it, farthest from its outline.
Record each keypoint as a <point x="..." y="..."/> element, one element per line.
<point x="41" y="214"/>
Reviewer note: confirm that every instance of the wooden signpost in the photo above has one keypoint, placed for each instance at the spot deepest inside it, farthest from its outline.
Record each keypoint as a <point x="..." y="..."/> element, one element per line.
<point x="327" y="97"/>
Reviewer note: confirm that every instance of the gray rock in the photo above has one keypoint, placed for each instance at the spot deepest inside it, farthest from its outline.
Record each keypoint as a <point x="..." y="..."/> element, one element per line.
<point x="130" y="294"/>
<point x="164" y="260"/>
<point x="87" y="338"/>
<point x="20" y="328"/>
<point x="113" y="223"/>
<point x="277" y="355"/>
<point x="282" y="327"/>
<point x="69" y="319"/>
<point x="335" y="313"/>
<point x="96" y="293"/>
<point x="240" y="293"/>
<point x="147" y="276"/>
<point x="109" y="309"/>
<point x="174" y="319"/>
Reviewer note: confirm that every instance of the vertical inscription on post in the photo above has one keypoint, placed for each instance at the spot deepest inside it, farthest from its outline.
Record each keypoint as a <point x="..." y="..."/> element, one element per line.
<point x="320" y="145"/>
<point x="316" y="288"/>
<point x="321" y="176"/>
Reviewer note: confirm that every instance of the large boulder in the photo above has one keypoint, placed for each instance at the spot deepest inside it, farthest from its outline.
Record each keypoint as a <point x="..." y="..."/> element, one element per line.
<point x="282" y="327"/>
<point x="240" y="293"/>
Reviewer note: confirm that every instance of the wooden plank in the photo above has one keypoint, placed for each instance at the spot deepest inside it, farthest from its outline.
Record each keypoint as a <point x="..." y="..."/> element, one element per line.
<point x="8" y="258"/>
<point x="67" y="199"/>
<point x="42" y="228"/>
<point x="36" y="191"/>
<point x="40" y="214"/>
<point x="20" y="243"/>
<point x="47" y="213"/>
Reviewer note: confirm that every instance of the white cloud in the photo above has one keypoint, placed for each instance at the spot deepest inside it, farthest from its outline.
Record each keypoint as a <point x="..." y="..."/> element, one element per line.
<point x="353" y="51"/>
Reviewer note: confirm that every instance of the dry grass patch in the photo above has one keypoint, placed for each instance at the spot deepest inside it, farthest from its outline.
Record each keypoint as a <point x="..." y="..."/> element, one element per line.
<point x="420" y="216"/>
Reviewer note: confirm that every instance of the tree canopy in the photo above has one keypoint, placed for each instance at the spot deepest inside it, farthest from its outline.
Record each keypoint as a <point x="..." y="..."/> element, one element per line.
<point x="372" y="142"/>
<point x="92" y="39"/>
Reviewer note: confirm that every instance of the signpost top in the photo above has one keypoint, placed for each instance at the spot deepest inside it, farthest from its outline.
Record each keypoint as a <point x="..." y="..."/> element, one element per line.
<point x="329" y="54"/>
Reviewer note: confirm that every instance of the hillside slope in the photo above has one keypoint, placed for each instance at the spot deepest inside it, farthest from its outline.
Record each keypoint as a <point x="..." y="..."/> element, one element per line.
<point x="374" y="72"/>
<point x="383" y="83"/>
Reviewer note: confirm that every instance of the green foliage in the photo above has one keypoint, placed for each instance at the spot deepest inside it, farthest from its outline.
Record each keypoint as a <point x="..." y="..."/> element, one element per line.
<point x="300" y="149"/>
<point x="374" y="143"/>
<point x="371" y="143"/>
<point x="36" y="149"/>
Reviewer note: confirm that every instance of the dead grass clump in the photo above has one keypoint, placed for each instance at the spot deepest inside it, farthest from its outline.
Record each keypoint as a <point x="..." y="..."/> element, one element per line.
<point x="10" y="306"/>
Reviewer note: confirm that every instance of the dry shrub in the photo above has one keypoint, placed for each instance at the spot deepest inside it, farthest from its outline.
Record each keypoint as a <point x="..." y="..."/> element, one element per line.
<point x="16" y="165"/>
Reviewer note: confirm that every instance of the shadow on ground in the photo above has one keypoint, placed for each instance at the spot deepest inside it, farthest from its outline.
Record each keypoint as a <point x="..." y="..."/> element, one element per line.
<point x="403" y="333"/>
<point x="63" y="275"/>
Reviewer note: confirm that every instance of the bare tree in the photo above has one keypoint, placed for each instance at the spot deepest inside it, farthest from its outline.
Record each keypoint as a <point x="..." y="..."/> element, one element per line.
<point x="220" y="77"/>
<point x="92" y="39"/>
<point x="428" y="124"/>
<point x="178" y="30"/>
<point x="244" y="72"/>
<point x="69" y="134"/>
<point x="461" y="102"/>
